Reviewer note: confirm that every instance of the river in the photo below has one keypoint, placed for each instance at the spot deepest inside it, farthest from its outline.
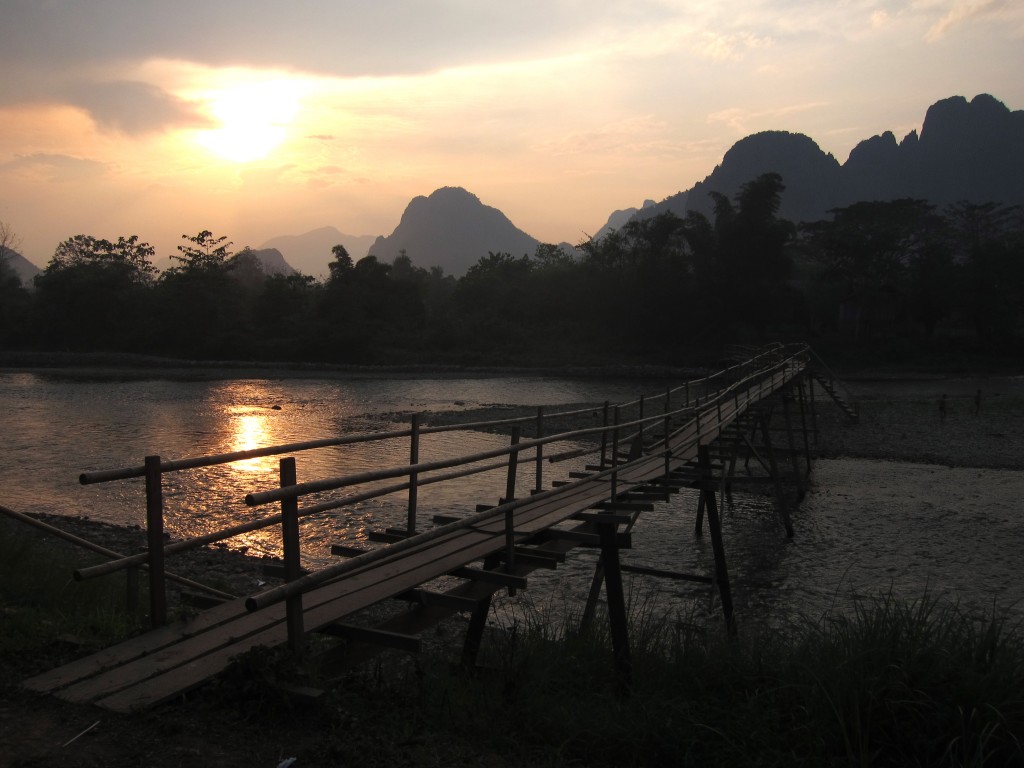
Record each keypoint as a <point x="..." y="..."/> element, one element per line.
<point x="865" y="526"/>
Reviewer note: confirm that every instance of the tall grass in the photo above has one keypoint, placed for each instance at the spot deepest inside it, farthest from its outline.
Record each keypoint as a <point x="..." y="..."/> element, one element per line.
<point x="901" y="683"/>
<point x="42" y="606"/>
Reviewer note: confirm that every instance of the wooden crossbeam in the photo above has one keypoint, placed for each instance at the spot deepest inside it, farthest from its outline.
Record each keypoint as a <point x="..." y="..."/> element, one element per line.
<point x="354" y="633"/>
<point x="439" y="599"/>
<point x="645" y="571"/>
<point x="490" y="577"/>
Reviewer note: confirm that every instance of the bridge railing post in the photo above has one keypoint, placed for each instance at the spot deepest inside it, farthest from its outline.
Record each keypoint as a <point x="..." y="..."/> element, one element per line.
<point x="641" y="435"/>
<point x="292" y="557"/>
<point x="538" y="483"/>
<point x="155" y="541"/>
<point x="414" y="459"/>
<point x="604" y="435"/>
<point x="510" y="494"/>
<point x="615" y="452"/>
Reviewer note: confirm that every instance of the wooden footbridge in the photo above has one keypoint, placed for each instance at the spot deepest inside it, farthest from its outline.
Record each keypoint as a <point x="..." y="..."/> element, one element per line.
<point x="640" y="454"/>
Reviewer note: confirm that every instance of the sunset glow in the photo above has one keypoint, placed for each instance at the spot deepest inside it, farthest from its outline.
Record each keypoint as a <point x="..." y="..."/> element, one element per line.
<point x="252" y="120"/>
<point x="159" y="119"/>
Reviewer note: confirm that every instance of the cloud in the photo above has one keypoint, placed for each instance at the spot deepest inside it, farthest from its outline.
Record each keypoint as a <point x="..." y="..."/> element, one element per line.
<point x="50" y="167"/>
<point x="133" y="107"/>
<point x="744" y="121"/>
<point x="332" y="37"/>
<point x="962" y="12"/>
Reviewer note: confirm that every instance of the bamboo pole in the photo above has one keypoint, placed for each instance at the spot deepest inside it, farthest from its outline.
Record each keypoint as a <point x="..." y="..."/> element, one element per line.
<point x="414" y="459"/>
<point x="155" y="542"/>
<point x="292" y="558"/>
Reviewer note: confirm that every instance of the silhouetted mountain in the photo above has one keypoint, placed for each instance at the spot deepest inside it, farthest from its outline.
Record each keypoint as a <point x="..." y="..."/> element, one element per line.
<point x="273" y="262"/>
<point x="310" y="253"/>
<point x="453" y="230"/>
<point x="22" y="267"/>
<point x="966" y="151"/>
<point x="619" y="218"/>
<point x="812" y="177"/>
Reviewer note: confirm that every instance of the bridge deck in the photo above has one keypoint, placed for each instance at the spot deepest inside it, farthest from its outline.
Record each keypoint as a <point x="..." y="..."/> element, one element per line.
<point x="166" y="661"/>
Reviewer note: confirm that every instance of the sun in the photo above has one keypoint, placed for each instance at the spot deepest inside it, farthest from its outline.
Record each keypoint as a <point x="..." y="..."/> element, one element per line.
<point x="252" y="119"/>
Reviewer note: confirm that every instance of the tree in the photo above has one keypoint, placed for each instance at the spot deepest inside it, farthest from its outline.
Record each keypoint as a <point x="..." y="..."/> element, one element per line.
<point x="341" y="266"/>
<point x="868" y="249"/>
<point x="204" y="252"/>
<point x="14" y="298"/>
<point x="94" y="293"/>
<point x="128" y="257"/>
<point x="9" y="242"/>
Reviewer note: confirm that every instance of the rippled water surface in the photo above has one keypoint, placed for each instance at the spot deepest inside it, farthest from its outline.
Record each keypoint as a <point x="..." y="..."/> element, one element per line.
<point x="864" y="527"/>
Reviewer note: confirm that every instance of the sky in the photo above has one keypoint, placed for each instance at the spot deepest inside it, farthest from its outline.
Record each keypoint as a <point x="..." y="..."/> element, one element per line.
<point x="255" y="119"/>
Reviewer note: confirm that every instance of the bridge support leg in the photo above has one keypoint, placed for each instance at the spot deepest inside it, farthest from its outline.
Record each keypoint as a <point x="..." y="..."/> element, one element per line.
<point x="707" y="492"/>
<point x="592" y="598"/>
<point x="780" y="496"/>
<point x="477" y="623"/>
<point x="803" y="426"/>
<point x="616" y="605"/>
<point x="794" y="459"/>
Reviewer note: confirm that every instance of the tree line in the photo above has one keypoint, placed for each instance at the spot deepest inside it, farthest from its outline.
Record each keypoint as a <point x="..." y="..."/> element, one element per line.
<point x="893" y="275"/>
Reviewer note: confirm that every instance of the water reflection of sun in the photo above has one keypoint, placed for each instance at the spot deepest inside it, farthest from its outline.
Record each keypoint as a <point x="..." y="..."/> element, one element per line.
<point x="250" y="430"/>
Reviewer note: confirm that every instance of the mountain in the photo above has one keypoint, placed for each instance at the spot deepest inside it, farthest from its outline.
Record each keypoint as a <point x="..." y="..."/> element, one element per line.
<point x="273" y="262"/>
<point x="22" y="267"/>
<point x="453" y="230"/>
<point x="618" y="219"/>
<point x="310" y="253"/>
<point x="966" y="151"/>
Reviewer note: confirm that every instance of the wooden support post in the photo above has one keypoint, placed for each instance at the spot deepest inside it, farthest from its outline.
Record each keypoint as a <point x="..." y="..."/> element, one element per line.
<point x="155" y="541"/>
<point x="794" y="459"/>
<point x="292" y="557"/>
<point x="617" y="620"/>
<point x="814" y="412"/>
<point x="604" y="435"/>
<point x="593" y="596"/>
<point x="803" y="426"/>
<point x="641" y="431"/>
<point x="780" y="495"/>
<point x="698" y="526"/>
<point x="707" y="492"/>
<point x="615" y="454"/>
<point x="510" y="494"/>
<point x="477" y="623"/>
<point x="538" y="484"/>
<point x="414" y="459"/>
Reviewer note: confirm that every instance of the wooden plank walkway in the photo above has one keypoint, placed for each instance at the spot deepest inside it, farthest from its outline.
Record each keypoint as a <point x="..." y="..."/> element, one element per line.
<point x="167" y="661"/>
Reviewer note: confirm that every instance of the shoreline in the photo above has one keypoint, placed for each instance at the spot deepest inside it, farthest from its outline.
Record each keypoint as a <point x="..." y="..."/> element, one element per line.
<point x="124" y="365"/>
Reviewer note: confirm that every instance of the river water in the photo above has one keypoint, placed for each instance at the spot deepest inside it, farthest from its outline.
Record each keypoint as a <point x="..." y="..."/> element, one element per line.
<point x="865" y="526"/>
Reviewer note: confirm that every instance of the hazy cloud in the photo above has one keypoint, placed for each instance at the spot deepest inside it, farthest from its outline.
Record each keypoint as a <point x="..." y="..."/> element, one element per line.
<point x="53" y="167"/>
<point x="133" y="107"/>
<point x="962" y="12"/>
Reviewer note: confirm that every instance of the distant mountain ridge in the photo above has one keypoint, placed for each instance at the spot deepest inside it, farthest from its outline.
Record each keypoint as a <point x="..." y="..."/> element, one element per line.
<point x="310" y="253"/>
<point x="273" y="262"/>
<point x="23" y="269"/>
<point x="453" y="230"/>
<point x="971" y="151"/>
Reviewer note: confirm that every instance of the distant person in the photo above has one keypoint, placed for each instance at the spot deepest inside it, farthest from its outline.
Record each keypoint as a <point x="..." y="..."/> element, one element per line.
<point x="942" y="408"/>
<point x="977" y="403"/>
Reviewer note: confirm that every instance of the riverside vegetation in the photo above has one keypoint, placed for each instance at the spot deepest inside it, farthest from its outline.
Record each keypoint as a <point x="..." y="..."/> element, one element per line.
<point x="892" y="279"/>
